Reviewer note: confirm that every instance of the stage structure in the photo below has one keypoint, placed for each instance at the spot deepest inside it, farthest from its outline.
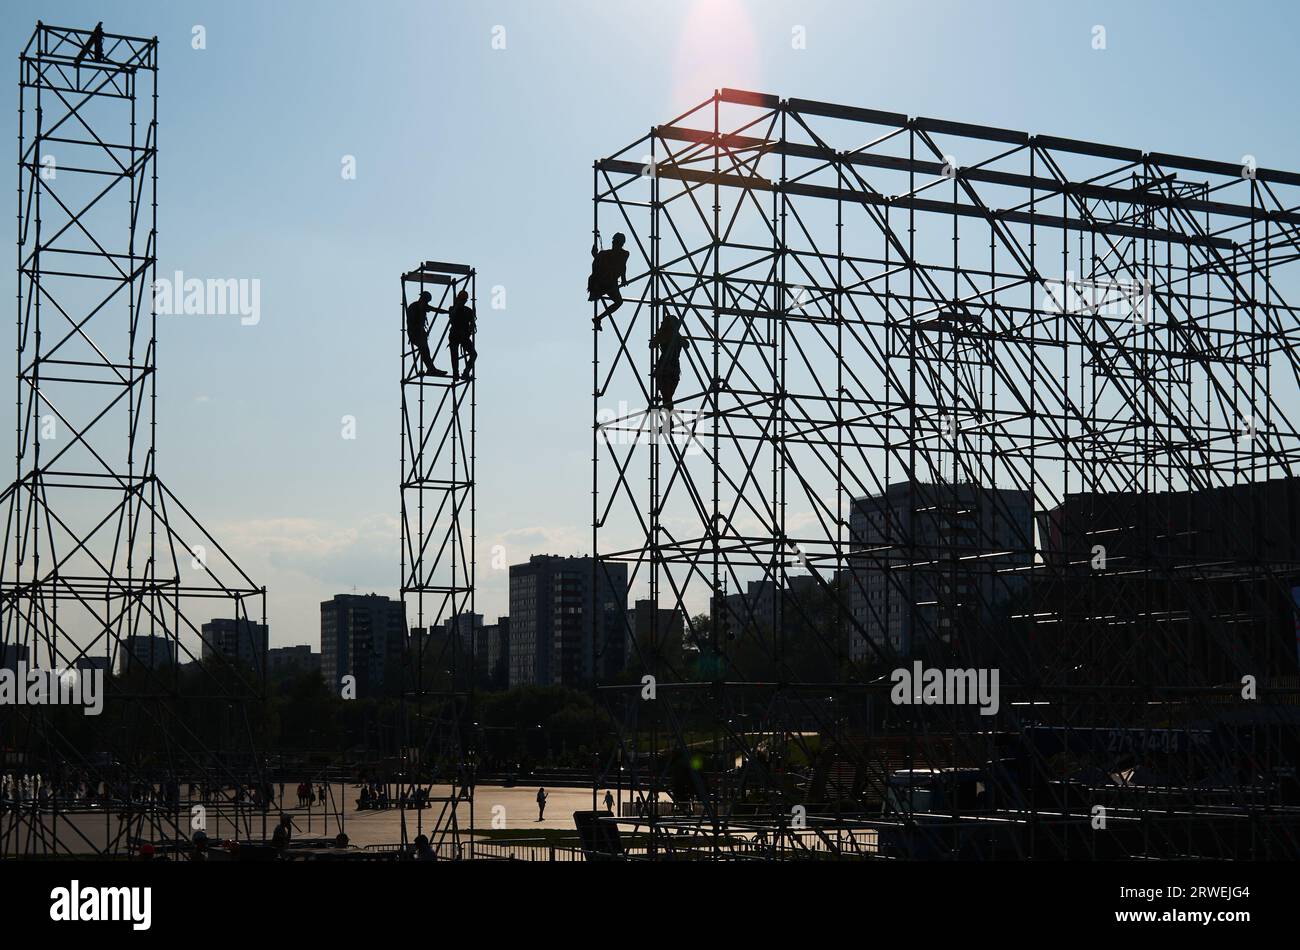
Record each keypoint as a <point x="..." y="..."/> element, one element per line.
<point x="105" y="571"/>
<point x="437" y="570"/>
<point x="952" y="398"/>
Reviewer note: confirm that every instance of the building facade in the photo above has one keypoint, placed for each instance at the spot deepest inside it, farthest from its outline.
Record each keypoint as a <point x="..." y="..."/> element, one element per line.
<point x="930" y="565"/>
<point x="149" y="652"/>
<point x="560" y="607"/>
<point x="362" y="635"/>
<point x="494" y="653"/>
<point x="240" y="641"/>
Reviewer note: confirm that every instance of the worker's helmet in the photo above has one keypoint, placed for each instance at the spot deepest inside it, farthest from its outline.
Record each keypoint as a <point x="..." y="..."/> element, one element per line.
<point x="620" y="239"/>
<point x="425" y="295"/>
<point x="462" y="296"/>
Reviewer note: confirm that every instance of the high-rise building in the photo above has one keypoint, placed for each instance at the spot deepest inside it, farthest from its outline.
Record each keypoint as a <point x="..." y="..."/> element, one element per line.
<point x="559" y="607"/>
<point x="488" y="643"/>
<point x="755" y="610"/>
<point x="930" y="563"/>
<point x="241" y="641"/>
<point x="466" y="625"/>
<point x="461" y="637"/>
<point x="147" y="651"/>
<point x="361" y="635"/>
<point x="494" y="653"/>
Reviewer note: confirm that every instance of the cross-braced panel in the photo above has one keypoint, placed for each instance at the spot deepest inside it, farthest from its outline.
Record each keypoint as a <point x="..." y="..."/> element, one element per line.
<point x="437" y="528"/>
<point x="105" y="570"/>
<point x="952" y="398"/>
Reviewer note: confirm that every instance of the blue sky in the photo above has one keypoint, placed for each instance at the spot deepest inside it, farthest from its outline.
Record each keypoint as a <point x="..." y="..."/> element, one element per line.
<point x="482" y="155"/>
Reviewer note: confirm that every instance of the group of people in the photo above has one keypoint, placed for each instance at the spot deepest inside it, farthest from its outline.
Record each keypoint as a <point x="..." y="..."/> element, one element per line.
<point x="608" y="275"/>
<point x="258" y="795"/>
<point x="310" y="793"/>
<point x="377" y="795"/>
<point x="461" y="324"/>
<point x="374" y="796"/>
<point x="19" y="790"/>
<point x="23" y="790"/>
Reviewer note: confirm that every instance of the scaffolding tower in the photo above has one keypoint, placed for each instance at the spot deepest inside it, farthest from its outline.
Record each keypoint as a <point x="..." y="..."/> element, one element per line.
<point x="437" y="571"/>
<point x="105" y="571"/>
<point x="953" y="398"/>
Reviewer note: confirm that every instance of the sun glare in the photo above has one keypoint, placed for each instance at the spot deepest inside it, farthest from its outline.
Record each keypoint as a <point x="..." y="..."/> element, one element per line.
<point x="718" y="47"/>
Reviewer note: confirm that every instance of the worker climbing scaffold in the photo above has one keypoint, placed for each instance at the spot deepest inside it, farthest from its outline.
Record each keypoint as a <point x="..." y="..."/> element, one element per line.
<point x="608" y="274"/>
<point x="668" y="367"/>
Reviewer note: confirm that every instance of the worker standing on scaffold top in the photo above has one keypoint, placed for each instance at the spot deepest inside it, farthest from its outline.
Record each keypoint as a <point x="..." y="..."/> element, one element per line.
<point x="461" y="324"/>
<point x="419" y="333"/>
<point x="668" y="368"/>
<point x="608" y="273"/>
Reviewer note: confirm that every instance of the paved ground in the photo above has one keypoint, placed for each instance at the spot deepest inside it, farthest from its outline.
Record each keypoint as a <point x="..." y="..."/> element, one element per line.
<point x="494" y="806"/>
<point x="511" y="812"/>
<point x="517" y="810"/>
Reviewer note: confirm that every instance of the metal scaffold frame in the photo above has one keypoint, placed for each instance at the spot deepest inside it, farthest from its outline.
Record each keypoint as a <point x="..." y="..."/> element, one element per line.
<point x="962" y="397"/>
<point x="437" y="570"/>
<point x="98" y="552"/>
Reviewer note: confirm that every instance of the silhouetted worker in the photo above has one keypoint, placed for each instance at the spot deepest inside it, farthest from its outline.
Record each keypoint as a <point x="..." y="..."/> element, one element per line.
<point x="423" y="849"/>
<point x="609" y="800"/>
<point x="668" y="369"/>
<point x="93" y="47"/>
<point x="283" y="832"/>
<point x="608" y="273"/>
<point x="418" y="331"/>
<point x="461" y="324"/>
<point x="541" y="803"/>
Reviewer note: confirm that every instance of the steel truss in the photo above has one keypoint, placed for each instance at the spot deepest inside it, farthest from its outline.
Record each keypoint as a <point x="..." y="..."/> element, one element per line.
<point x="437" y="564"/>
<point x="97" y="550"/>
<point x="1076" y="366"/>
